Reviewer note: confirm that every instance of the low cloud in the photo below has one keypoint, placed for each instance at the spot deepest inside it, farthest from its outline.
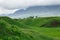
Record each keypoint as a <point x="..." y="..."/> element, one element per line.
<point x="10" y="6"/>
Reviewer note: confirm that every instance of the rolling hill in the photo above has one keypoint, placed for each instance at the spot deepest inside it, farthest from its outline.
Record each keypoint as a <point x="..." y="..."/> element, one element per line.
<point x="39" y="28"/>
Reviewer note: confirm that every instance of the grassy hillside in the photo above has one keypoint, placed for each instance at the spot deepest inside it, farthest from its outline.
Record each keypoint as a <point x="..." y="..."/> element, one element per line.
<point x="41" y="22"/>
<point x="47" y="28"/>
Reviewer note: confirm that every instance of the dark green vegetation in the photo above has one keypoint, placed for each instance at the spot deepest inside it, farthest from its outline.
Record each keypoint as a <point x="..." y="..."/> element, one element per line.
<point x="45" y="28"/>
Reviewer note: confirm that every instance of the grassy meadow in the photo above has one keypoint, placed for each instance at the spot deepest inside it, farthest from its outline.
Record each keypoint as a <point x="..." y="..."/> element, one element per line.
<point x="39" y="28"/>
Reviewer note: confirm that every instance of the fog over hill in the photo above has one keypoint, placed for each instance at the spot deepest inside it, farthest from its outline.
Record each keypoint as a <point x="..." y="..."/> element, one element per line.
<point x="26" y="8"/>
<point x="41" y="11"/>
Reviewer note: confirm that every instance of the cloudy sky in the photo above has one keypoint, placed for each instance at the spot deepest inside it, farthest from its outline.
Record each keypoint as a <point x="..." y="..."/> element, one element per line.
<point x="10" y="6"/>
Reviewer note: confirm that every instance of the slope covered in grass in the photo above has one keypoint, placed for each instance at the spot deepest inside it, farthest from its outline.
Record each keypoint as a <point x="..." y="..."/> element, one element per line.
<point x="42" y="21"/>
<point x="13" y="30"/>
<point x="29" y="28"/>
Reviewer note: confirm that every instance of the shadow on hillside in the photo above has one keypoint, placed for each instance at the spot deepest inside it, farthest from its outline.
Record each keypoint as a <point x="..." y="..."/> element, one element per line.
<point x="52" y="23"/>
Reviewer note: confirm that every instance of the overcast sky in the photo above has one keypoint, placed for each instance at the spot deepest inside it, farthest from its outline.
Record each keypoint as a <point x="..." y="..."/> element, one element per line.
<point x="10" y="6"/>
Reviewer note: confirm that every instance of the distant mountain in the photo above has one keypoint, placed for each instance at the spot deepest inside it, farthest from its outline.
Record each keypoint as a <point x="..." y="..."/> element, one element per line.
<point x="38" y="11"/>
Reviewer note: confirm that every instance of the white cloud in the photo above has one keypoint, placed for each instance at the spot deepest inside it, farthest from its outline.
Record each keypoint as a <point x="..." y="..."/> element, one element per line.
<point x="9" y="6"/>
<point x="6" y="11"/>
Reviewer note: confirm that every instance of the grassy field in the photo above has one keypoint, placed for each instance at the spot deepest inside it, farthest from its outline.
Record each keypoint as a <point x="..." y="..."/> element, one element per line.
<point x="39" y="28"/>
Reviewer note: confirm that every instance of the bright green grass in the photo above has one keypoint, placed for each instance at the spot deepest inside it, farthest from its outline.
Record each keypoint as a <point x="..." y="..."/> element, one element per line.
<point x="28" y="29"/>
<point x="53" y="33"/>
<point x="50" y="32"/>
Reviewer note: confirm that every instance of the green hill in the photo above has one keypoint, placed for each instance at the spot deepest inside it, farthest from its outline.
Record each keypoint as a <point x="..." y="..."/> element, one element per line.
<point x="42" y="22"/>
<point x="47" y="28"/>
